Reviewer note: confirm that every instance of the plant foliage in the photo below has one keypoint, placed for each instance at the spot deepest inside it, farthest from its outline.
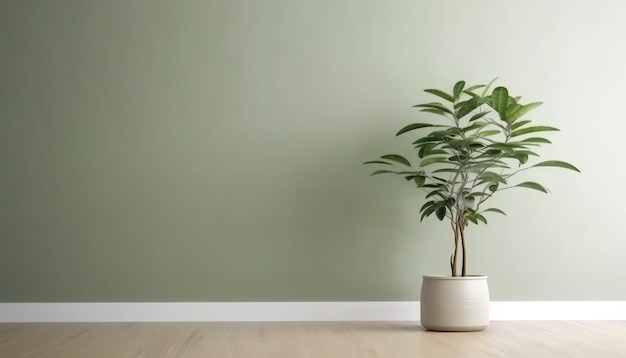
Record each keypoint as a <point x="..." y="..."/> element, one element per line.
<point x="474" y="150"/>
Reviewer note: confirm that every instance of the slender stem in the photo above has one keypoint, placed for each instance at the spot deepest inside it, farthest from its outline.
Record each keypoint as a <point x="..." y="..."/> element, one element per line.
<point x="464" y="268"/>
<point x="453" y="259"/>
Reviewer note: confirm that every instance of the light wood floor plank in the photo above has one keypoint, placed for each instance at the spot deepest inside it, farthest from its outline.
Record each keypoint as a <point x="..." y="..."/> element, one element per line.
<point x="165" y="341"/>
<point x="122" y="340"/>
<point x="73" y="344"/>
<point x="206" y="340"/>
<point x="515" y="346"/>
<point x="247" y="340"/>
<point x="32" y="337"/>
<point x="609" y="328"/>
<point x="586" y="336"/>
<point x="310" y="339"/>
<point x="293" y="340"/>
<point x="428" y="344"/>
<point x="335" y="339"/>
<point x="550" y="340"/>
<point x="376" y="340"/>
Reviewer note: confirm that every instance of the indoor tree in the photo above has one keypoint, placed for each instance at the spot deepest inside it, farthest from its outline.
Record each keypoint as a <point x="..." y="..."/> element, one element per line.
<point x="474" y="149"/>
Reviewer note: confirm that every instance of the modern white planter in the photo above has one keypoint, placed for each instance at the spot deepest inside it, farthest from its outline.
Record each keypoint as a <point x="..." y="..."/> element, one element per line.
<point x="454" y="304"/>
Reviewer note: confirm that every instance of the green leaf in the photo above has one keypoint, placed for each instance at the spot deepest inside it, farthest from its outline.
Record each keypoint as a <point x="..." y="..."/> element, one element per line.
<point x="519" y="124"/>
<point x="435" y="111"/>
<point x="434" y="105"/>
<point x="467" y="107"/>
<point x="428" y="152"/>
<point x="536" y="140"/>
<point x="435" y="193"/>
<point x="431" y="209"/>
<point x="480" y="217"/>
<point x="474" y="126"/>
<point x="462" y="143"/>
<point x="533" y="185"/>
<point x="520" y="111"/>
<point x="377" y="162"/>
<point x="522" y="157"/>
<point x="478" y="116"/>
<point x="429" y="161"/>
<point x="458" y="89"/>
<point x="382" y="171"/>
<point x="492" y="177"/>
<point x="557" y="163"/>
<point x="414" y="126"/>
<point x="471" y="89"/>
<point x="441" y="94"/>
<point x="495" y="211"/>
<point x="527" y="152"/>
<point x="419" y="180"/>
<point x="441" y="213"/>
<point x="489" y="86"/>
<point x="397" y="158"/>
<point x="488" y="133"/>
<point x="426" y="205"/>
<point x="424" y="140"/>
<point x="532" y="130"/>
<point x="446" y="170"/>
<point x="503" y="147"/>
<point x="500" y="100"/>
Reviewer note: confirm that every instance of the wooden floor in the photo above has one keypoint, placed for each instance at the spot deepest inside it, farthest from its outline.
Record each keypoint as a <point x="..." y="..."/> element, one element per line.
<point x="314" y="339"/>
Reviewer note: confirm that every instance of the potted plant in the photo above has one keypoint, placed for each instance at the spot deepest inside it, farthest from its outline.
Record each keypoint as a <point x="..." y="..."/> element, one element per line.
<point x="475" y="149"/>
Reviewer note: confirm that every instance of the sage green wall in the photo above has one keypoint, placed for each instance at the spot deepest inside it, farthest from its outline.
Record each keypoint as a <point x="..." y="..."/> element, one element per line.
<point x="212" y="150"/>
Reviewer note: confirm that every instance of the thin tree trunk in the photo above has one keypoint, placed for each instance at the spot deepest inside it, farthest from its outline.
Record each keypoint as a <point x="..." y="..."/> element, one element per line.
<point x="464" y="268"/>
<point x="455" y="256"/>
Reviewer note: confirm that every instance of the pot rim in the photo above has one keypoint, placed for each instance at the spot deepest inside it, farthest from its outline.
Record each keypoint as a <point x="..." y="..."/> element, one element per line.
<point x="460" y="278"/>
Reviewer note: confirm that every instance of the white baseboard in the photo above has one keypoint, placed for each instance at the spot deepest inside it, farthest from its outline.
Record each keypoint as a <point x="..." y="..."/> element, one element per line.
<point x="293" y="311"/>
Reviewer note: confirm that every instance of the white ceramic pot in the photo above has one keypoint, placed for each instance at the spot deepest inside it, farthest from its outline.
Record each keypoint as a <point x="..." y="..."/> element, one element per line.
<point x="454" y="303"/>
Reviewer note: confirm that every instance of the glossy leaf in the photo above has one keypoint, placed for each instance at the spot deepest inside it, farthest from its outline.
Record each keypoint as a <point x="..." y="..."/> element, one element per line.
<point x="480" y="217"/>
<point x="426" y="205"/>
<point x="478" y="116"/>
<point x="438" y="106"/>
<point x="441" y="94"/>
<point x="471" y="89"/>
<point x="435" y="193"/>
<point x="533" y="130"/>
<point x="435" y="111"/>
<point x="519" y="124"/>
<point x="377" y="162"/>
<point x="500" y="100"/>
<point x="488" y="86"/>
<point x="520" y="111"/>
<point x="489" y="133"/>
<point x="414" y="126"/>
<point x="522" y="157"/>
<point x="458" y="89"/>
<point x="467" y="107"/>
<point x="397" y="158"/>
<point x="533" y="185"/>
<point x="474" y="126"/>
<point x="536" y="140"/>
<point x="382" y="171"/>
<point x="441" y="213"/>
<point x="495" y="210"/>
<point x="492" y="177"/>
<point x="419" y="180"/>
<point x="557" y="163"/>
<point x="429" y="161"/>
